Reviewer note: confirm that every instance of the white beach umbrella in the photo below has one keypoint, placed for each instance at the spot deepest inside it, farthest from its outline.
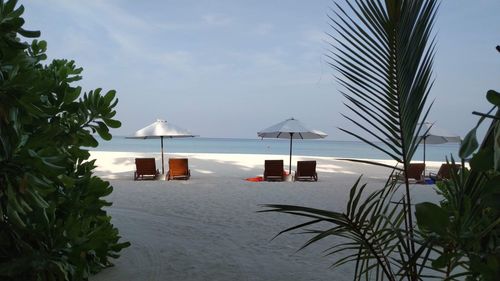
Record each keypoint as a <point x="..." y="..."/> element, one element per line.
<point x="291" y="129"/>
<point x="431" y="134"/>
<point x="159" y="130"/>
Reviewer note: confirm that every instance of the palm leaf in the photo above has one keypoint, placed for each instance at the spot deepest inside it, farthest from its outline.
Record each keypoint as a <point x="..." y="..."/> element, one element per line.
<point x="383" y="54"/>
<point x="371" y="223"/>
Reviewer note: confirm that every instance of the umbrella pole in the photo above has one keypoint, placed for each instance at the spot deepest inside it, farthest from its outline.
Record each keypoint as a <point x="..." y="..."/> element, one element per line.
<point x="290" y="164"/>
<point x="425" y="137"/>
<point x="162" y="162"/>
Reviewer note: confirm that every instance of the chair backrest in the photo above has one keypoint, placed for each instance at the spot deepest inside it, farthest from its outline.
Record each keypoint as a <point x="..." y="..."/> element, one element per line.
<point x="415" y="170"/>
<point x="446" y="169"/>
<point x="178" y="166"/>
<point x="306" y="168"/>
<point x="145" y="166"/>
<point x="273" y="167"/>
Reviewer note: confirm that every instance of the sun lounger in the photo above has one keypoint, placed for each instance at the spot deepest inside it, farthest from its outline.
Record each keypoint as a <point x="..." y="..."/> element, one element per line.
<point x="415" y="173"/>
<point x="306" y="170"/>
<point x="178" y="169"/>
<point x="273" y="170"/>
<point x="145" y="168"/>
<point x="445" y="172"/>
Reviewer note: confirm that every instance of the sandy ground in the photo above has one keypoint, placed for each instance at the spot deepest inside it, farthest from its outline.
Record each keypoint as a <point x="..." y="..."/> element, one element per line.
<point x="208" y="228"/>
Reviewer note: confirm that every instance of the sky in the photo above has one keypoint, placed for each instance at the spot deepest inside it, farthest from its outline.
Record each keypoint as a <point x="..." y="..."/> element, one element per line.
<point x="229" y="68"/>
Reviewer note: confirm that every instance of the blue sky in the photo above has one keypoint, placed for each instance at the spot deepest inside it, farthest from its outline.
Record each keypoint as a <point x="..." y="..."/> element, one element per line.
<point x="229" y="68"/>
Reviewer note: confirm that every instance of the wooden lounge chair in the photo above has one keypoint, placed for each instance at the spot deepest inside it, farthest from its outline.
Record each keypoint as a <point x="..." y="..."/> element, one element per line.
<point x="145" y="167"/>
<point x="445" y="172"/>
<point x="273" y="170"/>
<point x="306" y="170"/>
<point x="415" y="172"/>
<point x="178" y="169"/>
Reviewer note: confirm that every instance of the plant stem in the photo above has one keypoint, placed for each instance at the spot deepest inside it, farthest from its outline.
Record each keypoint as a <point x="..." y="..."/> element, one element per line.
<point x="393" y="70"/>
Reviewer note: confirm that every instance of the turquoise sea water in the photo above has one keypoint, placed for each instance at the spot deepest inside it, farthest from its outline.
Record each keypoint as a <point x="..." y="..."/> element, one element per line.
<point x="329" y="148"/>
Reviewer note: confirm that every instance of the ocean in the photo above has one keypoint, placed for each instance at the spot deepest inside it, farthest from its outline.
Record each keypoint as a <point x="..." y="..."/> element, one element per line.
<point x="328" y="148"/>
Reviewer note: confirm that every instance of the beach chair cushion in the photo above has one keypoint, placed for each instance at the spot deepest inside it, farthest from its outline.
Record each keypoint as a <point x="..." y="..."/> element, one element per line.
<point x="178" y="169"/>
<point x="145" y="168"/>
<point x="306" y="170"/>
<point x="273" y="170"/>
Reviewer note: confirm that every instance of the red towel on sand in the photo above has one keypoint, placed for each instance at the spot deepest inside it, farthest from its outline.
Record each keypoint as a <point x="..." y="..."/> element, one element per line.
<point x="256" y="179"/>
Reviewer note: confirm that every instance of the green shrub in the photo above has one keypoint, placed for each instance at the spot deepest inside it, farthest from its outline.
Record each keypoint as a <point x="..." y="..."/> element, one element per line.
<point x="52" y="222"/>
<point x="468" y="241"/>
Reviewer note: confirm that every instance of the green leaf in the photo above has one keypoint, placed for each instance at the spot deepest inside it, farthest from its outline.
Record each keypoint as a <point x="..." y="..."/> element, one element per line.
<point x="110" y="95"/>
<point x="112" y="123"/>
<point x="493" y="97"/>
<point x="29" y="34"/>
<point x="14" y="217"/>
<point x="15" y="44"/>
<point x="442" y="261"/>
<point x="72" y="95"/>
<point x="103" y="131"/>
<point x="482" y="161"/>
<point x="469" y="144"/>
<point x="88" y="141"/>
<point x="42" y="45"/>
<point x="431" y="218"/>
<point x="38" y="200"/>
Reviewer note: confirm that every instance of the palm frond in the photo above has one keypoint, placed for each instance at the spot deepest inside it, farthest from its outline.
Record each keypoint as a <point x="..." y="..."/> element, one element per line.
<point x="371" y="223"/>
<point x="383" y="54"/>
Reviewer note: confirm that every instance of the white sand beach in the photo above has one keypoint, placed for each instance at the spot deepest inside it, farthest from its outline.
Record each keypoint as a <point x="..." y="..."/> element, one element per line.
<point x="208" y="228"/>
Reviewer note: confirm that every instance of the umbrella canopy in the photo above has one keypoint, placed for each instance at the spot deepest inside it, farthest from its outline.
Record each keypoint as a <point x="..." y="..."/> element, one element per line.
<point x="431" y="134"/>
<point x="434" y="135"/>
<point x="158" y="130"/>
<point x="291" y="129"/>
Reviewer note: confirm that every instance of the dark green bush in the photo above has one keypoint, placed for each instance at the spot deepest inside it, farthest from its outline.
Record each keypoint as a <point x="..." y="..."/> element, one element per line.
<point x="52" y="222"/>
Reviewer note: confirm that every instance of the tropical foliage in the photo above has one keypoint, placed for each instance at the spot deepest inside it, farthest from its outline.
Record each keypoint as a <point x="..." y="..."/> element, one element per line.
<point x="383" y="53"/>
<point x="467" y="236"/>
<point x="52" y="222"/>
